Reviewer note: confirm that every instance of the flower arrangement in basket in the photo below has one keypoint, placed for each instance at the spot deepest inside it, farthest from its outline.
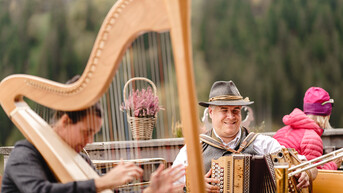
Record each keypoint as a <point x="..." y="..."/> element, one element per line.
<point x="141" y="107"/>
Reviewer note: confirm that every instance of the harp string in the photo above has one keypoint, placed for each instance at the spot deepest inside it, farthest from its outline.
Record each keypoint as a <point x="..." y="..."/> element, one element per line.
<point x="149" y="56"/>
<point x="169" y="71"/>
<point x="160" y="72"/>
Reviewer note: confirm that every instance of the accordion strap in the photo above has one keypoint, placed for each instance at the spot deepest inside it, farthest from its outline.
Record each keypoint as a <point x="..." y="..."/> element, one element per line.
<point x="245" y="143"/>
<point x="211" y="141"/>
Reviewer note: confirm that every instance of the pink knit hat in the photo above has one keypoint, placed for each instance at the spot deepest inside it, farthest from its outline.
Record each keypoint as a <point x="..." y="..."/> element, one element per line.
<point x="317" y="102"/>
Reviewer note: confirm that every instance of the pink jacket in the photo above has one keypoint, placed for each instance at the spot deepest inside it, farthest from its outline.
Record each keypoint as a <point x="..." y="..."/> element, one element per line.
<point x="303" y="134"/>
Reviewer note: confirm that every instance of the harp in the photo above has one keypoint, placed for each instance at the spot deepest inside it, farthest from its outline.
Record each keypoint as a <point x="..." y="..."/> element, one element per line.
<point x="124" y="22"/>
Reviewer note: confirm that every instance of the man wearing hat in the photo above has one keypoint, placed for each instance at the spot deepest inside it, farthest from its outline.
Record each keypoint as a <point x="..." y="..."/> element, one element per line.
<point x="224" y="106"/>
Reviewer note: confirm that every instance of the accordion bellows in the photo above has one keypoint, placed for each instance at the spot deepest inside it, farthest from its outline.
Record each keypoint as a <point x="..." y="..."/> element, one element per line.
<point x="242" y="173"/>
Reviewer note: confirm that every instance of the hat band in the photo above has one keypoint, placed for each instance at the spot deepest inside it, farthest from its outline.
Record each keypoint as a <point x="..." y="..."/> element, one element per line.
<point x="317" y="108"/>
<point x="225" y="97"/>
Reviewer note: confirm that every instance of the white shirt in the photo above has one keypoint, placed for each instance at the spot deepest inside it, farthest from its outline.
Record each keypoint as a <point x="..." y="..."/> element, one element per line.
<point x="262" y="145"/>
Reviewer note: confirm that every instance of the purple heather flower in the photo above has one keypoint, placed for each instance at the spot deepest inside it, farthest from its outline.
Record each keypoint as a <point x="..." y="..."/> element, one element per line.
<point x="142" y="103"/>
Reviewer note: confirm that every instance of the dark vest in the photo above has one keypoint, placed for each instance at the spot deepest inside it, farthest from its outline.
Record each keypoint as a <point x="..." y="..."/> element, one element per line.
<point x="211" y="152"/>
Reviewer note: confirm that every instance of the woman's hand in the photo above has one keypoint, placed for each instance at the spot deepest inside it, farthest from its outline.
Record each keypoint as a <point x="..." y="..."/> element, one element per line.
<point x="122" y="174"/>
<point x="162" y="181"/>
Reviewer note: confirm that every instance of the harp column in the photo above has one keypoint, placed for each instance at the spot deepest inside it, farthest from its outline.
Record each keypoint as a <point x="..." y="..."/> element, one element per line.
<point x="180" y="34"/>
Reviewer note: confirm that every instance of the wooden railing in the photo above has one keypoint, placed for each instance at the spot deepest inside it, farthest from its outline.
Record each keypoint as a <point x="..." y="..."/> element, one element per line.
<point x="168" y="148"/>
<point x="327" y="181"/>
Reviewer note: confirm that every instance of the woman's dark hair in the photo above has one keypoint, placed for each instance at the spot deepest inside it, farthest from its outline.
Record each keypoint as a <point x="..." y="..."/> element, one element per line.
<point x="76" y="116"/>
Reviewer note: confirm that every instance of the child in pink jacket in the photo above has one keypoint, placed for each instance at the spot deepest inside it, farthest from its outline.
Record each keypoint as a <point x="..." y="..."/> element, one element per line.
<point x="304" y="128"/>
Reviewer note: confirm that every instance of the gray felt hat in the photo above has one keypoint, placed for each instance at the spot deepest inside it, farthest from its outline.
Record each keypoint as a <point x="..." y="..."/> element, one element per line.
<point x="225" y="93"/>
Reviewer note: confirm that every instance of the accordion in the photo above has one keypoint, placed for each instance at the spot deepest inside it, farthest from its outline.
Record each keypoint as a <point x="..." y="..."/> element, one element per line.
<point x="242" y="173"/>
<point x="290" y="156"/>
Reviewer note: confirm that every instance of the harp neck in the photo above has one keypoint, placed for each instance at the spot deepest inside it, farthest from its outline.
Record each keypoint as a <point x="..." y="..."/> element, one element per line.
<point x="125" y="21"/>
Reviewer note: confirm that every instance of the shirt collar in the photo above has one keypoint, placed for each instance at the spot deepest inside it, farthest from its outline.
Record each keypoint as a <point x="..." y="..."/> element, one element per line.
<point x="232" y="144"/>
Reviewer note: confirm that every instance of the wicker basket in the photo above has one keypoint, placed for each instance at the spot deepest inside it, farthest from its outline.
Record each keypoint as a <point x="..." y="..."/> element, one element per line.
<point x="141" y="128"/>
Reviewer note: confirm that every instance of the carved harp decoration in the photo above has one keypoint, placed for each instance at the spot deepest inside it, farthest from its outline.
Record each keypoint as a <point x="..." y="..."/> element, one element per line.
<point x="124" y="22"/>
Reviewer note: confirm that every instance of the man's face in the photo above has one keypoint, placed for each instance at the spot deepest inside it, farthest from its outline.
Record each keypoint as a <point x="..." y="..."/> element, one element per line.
<point x="226" y="120"/>
<point x="79" y="134"/>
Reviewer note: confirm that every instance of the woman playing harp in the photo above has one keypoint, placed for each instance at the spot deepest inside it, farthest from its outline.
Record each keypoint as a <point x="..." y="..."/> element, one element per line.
<point x="114" y="36"/>
<point x="27" y="171"/>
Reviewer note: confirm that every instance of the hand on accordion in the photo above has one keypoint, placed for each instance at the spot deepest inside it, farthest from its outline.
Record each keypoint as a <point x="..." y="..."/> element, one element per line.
<point x="303" y="180"/>
<point x="209" y="181"/>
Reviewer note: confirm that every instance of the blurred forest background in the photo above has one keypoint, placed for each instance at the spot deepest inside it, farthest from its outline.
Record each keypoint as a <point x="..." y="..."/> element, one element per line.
<point x="274" y="50"/>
